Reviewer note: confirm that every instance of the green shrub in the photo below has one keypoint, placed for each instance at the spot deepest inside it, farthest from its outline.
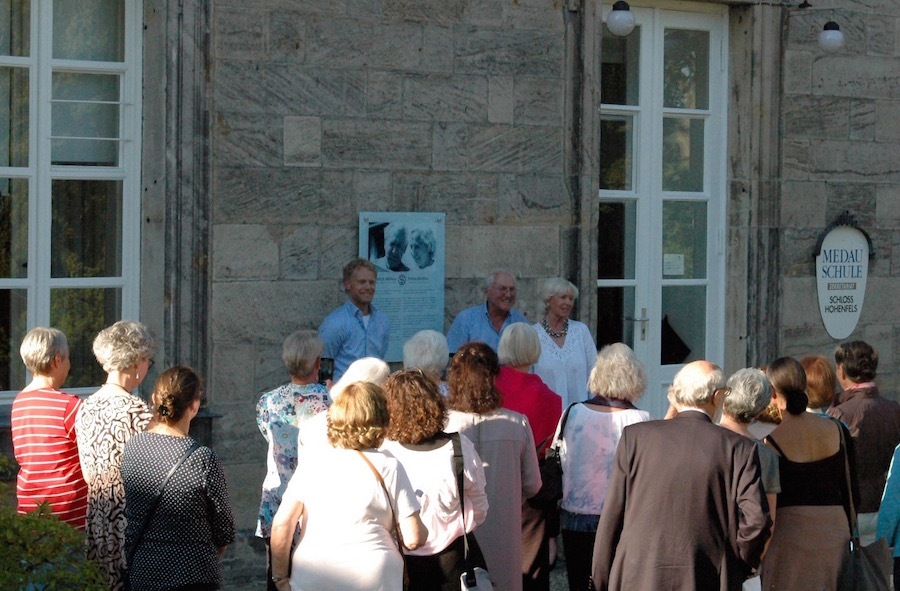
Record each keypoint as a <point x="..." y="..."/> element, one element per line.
<point x="41" y="553"/>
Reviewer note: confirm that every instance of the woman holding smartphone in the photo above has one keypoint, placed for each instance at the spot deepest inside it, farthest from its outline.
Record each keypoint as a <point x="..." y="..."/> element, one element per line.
<point x="279" y="415"/>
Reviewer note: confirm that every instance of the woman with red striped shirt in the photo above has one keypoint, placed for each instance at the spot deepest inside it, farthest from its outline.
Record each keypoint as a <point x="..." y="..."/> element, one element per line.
<point x="43" y="431"/>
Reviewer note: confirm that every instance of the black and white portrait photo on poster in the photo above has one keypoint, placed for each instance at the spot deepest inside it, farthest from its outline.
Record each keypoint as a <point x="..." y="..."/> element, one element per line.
<point x="407" y="249"/>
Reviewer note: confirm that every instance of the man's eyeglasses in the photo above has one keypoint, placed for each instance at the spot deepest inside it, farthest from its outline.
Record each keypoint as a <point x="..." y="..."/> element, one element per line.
<point x="725" y="390"/>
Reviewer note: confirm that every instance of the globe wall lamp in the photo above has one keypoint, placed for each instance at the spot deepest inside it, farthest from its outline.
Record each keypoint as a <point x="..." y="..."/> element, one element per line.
<point x="620" y="20"/>
<point x="831" y="38"/>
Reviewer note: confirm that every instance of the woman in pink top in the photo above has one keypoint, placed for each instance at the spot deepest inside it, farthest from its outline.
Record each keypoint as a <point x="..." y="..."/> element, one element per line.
<point x="524" y="392"/>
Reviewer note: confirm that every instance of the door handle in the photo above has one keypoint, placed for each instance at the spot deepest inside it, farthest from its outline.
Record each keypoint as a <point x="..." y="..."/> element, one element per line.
<point x="643" y="320"/>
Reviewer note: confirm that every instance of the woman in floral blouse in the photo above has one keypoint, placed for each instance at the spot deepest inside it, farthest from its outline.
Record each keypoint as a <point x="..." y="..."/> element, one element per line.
<point x="279" y="414"/>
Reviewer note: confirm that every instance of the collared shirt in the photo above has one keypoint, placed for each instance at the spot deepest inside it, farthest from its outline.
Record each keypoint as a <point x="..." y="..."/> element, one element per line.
<point x="474" y="324"/>
<point x="347" y="338"/>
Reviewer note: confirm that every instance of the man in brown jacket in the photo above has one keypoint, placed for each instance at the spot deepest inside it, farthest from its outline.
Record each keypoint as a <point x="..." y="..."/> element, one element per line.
<point x="874" y="423"/>
<point x="685" y="507"/>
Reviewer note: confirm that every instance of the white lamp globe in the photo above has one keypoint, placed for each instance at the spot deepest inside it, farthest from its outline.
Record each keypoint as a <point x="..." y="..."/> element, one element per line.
<point x="620" y="19"/>
<point x="831" y="38"/>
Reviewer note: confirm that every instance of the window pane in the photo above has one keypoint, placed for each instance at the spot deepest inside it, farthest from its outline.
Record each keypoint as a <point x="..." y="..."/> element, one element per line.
<point x="615" y="306"/>
<point x="683" y="154"/>
<point x="12" y="330"/>
<point x="87" y="229"/>
<point x="13" y="228"/>
<point x="13" y="116"/>
<point x="15" y="27"/>
<point x="684" y="239"/>
<point x="620" y="68"/>
<point x="686" y="69"/>
<point x="89" y="30"/>
<point x="85" y="106"/>
<point x="683" y="337"/>
<point x="617" y="229"/>
<point x="81" y="314"/>
<point x="616" y="148"/>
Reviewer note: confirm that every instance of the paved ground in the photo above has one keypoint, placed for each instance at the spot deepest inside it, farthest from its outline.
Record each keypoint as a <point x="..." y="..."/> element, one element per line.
<point x="558" y="580"/>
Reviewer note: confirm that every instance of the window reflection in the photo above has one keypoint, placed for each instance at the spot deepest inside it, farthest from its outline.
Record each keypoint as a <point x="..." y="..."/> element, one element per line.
<point x="614" y="310"/>
<point x="684" y="239"/>
<point x="616" y="148"/>
<point x="683" y="327"/>
<point x="85" y="106"/>
<point x="15" y="27"/>
<point x="91" y="30"/>
<point x="81" y="314"/>
<point x="13" y="308"/>
<point x="686" y="69"/>
<point x="13" y="116"/>
<point x="13" y="228"/>
<point x="683" y="145"/>
<point x="87" y="229"/>
<point x="617" y="231"/>
<point x="619" y="73"/>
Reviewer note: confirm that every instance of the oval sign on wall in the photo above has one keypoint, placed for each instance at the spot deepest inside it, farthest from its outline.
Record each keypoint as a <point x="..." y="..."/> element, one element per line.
<point x="842" y="267"/>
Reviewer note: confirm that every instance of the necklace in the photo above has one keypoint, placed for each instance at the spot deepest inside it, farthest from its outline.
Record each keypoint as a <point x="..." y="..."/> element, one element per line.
<point x="555" y="335"/>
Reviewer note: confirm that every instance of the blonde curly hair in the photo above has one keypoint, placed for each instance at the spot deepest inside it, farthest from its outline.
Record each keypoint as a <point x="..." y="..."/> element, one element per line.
<point x="359" y="418"/>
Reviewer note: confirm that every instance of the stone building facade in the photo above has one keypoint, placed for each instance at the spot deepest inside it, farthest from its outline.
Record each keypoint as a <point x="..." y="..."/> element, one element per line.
<point x="266" y="128"/>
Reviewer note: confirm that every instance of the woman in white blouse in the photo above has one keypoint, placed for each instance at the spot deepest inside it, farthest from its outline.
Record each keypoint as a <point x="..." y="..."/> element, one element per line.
<point x="590" y="434"/>
<point x="567" y="348"/>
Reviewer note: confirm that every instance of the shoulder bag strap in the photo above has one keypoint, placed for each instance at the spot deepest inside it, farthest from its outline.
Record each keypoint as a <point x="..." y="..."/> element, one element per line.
<point x="458" y="467"/>
<point x="390" y="504"/>
<point x="139" y="537"/>
<point x="562" y="426"/>
<point x="851" y="515"/>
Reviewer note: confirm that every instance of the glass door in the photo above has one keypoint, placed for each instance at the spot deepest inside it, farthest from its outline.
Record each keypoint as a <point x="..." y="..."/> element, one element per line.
<point x="660" y="281"/>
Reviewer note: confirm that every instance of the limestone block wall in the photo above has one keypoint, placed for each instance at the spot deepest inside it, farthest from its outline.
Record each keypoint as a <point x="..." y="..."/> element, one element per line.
<point x="840" y="151"/>
<point x="321" y="110"/>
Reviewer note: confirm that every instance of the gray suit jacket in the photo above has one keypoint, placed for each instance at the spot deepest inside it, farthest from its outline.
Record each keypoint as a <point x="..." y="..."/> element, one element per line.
<point x="685" y="509"/>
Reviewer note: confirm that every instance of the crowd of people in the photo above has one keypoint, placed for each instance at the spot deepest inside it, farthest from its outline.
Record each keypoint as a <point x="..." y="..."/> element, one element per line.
<point x="409" y="480"/>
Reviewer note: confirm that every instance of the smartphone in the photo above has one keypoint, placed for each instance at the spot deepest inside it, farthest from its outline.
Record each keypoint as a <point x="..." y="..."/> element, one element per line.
<point x="326" y="369"/>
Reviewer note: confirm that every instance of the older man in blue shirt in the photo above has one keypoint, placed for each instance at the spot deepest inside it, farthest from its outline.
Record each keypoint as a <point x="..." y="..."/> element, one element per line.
<point x="356" y="329"/>
<point x="486" y="322"/>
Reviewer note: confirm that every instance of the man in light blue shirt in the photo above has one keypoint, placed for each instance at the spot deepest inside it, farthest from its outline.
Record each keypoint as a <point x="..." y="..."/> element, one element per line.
<point x="485" y="322"/>
<point x="356" y="329"/>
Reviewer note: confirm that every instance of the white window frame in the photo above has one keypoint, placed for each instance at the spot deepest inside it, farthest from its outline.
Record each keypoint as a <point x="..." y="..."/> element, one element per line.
<point x="41" y="174"/>
<point x="646" y="175"/>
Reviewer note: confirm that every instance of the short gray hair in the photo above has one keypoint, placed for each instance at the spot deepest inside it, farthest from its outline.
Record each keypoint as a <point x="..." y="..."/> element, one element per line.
<point x="557" y="286"/>
<point x="617" y="373"/>
<point x="519" y="345"/>
<point x="428" y="350"/>
<point x="40" y="347"/>
<point x="750" y="394"/>
<point x="300" y="352"/>
<point x="123" y="344"/>
<point x="492" y="276"/>
<point x="368" y="369"/>
<point x="694" y="386"/>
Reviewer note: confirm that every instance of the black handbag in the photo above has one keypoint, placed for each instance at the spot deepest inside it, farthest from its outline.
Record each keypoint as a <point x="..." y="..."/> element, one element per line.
<point x="551" y="471"/>
<point x="866" y="568"/>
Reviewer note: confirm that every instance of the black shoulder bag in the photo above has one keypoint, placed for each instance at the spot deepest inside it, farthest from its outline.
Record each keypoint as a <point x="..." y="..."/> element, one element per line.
<point x="551" y="471"/>
<point x="139" y="536"/>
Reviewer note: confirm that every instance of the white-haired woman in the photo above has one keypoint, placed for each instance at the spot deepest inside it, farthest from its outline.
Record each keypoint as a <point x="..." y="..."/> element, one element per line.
<point x="748" y="394"/>
<point x="590" y="434"/>
<point x="524" y="392"/>
<point x="105" y="423"/>
<point x="567" y="348"/>
<point x="279" y="414"/>
<point x="427" y="350"/>
<point x="314" y="432"/>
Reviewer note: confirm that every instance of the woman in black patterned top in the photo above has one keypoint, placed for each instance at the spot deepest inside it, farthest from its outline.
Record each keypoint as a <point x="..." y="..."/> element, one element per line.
<point x="193" y="524"/>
